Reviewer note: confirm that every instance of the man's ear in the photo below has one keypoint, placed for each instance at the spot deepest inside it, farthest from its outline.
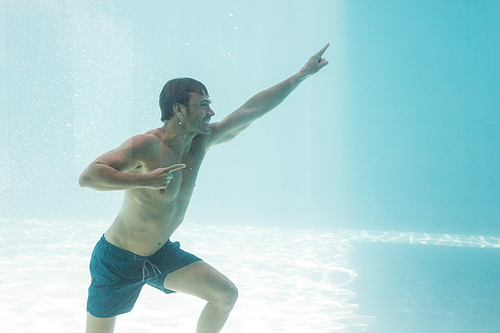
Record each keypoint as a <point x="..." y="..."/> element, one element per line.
<point x="179" y="109"/>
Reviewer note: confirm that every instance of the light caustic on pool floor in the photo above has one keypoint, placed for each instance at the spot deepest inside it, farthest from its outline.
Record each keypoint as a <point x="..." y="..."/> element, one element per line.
<point x="289" y="280"/>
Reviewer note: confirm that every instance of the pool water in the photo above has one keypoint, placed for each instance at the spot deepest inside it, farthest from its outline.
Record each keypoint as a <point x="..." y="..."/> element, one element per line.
<point x="289" y="280"/>
<point x="399" y="133"/>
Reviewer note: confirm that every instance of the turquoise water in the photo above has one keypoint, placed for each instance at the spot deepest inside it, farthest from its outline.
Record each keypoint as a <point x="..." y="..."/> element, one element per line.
<point x="399" y="132"/>
<point x="387" y="160"/>
<point x="289" y="280"/>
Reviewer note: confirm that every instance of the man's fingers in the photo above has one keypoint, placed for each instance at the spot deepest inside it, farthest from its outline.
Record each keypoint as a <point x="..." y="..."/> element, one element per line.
<point x="323" y="62"/>
<point x="174" y="167"/>
<point x="320" y="53"/>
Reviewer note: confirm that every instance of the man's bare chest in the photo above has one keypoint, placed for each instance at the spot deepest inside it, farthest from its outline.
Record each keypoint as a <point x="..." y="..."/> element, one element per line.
<point x="183" y="182"/>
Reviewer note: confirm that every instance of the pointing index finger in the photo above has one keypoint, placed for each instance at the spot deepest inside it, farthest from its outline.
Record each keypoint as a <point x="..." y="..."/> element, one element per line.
<point x="320" y="53"/>
<point x="175" y="167"/>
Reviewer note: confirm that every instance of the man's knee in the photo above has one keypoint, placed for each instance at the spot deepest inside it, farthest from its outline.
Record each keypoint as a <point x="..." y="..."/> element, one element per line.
<point x="232" y="294"/>
<point x="227" y="295"/>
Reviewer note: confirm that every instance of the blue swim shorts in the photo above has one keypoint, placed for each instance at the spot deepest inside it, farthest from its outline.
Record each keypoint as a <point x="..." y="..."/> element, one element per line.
<point x="117" y="276"/>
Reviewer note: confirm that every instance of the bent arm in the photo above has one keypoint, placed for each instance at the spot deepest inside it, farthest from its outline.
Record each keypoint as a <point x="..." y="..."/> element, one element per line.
<point x="263" y="102"/>
<point x="102" y="177"/>
<point x="109" y="171"/>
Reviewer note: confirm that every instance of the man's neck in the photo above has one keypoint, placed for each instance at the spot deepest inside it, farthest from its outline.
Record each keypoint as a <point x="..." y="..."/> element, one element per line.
<point x="176" y="136"/>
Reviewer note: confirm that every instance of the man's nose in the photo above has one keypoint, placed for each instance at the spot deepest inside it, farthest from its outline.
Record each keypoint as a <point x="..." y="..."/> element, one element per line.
<point x="210" y="112"/>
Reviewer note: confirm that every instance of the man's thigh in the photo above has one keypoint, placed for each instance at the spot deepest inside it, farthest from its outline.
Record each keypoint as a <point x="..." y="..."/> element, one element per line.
<point x="201" y="280"/>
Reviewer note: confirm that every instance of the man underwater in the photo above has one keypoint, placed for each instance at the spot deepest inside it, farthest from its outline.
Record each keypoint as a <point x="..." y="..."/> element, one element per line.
<point x="158" y="170"/>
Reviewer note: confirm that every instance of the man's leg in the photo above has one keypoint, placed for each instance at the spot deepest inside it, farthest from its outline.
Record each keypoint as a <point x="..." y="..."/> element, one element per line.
<point x="100" y="325"/>
<point x="202" y="280"/>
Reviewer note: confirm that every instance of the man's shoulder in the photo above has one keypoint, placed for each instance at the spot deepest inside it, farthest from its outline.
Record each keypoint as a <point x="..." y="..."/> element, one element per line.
<point x="148" y="140"/>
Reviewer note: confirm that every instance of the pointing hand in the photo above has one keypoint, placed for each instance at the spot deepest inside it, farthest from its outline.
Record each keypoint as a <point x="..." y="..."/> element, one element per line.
<point x="160" y="178"/>
<point x="315" y="63"/>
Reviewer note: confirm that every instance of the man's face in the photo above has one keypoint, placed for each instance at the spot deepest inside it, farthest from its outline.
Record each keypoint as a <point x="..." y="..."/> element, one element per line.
<point x="199" y="112"/>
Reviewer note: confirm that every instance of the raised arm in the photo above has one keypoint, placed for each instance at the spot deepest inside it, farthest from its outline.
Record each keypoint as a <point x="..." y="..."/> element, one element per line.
<point x="263" y="102"/>
<point x="115" y="170"/>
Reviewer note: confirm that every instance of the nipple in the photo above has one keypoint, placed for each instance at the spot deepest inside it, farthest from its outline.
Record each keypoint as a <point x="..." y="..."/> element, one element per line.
<point x="162" y="191"/>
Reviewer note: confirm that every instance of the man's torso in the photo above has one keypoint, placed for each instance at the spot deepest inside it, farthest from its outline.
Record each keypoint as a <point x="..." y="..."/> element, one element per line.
<point x="149" y="217"/>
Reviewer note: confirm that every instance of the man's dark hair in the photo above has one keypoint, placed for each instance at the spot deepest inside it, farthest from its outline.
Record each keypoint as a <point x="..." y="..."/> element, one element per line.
<point x="177" y="91"/>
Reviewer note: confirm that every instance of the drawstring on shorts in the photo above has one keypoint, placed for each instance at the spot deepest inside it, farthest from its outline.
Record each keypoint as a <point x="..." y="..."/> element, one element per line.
<point x="145" y="269"/>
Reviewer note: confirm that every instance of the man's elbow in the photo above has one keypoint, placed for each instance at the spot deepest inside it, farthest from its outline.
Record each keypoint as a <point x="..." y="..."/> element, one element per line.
<point x="91" y="175"/>
<point x="85" y="180"/>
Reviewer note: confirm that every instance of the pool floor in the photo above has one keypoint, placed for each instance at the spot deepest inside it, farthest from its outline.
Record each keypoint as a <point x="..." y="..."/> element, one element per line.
<point x="427" y="288"/>
<point x="289" y="280"/>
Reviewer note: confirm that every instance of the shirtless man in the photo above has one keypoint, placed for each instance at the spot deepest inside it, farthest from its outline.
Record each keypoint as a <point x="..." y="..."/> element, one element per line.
<point x="158" y="172"/>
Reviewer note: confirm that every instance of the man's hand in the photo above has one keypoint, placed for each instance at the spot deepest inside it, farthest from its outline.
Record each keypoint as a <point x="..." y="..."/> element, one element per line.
<point x="315" y="63"/>
<point x="158" y="179"/>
